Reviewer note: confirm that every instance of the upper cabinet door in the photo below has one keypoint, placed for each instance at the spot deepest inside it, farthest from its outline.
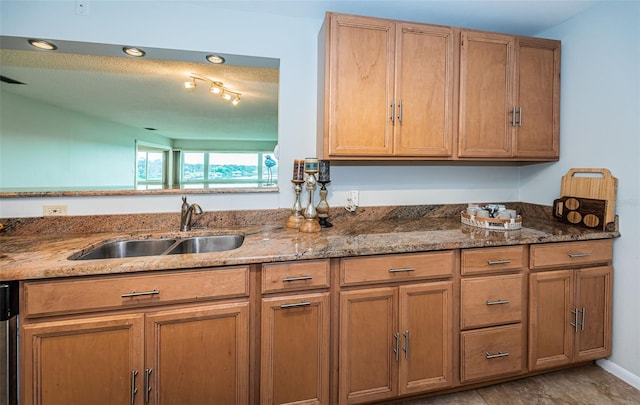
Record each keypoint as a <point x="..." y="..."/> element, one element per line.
<point x="538" y="113"/>
<point x="424" y="90"/>
<point x="486" y="94"/>
<point x="360" y="76"/>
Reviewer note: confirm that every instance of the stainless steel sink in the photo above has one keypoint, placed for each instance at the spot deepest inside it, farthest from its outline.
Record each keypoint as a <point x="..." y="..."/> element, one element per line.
<point x="206" y="244"/>
<point x="127" y="248"/>
<point x="156" y="247"/>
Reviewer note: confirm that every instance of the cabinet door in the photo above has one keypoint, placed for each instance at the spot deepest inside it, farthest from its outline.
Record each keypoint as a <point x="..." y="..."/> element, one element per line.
<point x="198" y="355"/>
<point x="593" y="299"/>
<point x="368" y="345"/>
<point x="361" y="75"/>
<point x="424" y="90"/>
<point x="85" y="361"/>
<point x="550" y="316"/>
<point x="486" y="94"/>
<point x="295" y="350"/>
<point x="538" y="129"/>
<point x="426" y="327"/>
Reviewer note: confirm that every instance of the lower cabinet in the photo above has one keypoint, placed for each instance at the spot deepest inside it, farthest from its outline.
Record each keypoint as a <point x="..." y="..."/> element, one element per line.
<point x="193" y="355"/>
<point x="570" y="316"/>
<point x="395" y="341"/>
<point x="295" y="349"/>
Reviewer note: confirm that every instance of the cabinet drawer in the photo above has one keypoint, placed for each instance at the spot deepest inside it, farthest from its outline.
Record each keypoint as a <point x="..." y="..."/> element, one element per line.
<point x="487" y="260"/>
<point x="376" y="269"/>
<point x="571" y="253"/>
<point x="128" y="291"/>
<point x="492" y="300"/>
<point x="491" y="352"/>
<point x="292" y="276"/>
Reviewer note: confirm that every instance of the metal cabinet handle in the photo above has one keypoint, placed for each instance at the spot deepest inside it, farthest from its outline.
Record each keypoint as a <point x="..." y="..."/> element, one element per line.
<point x="406" y="344"/>
<point x="147" y="384"/>
<point x="287" y="279"/>
<point x="402" y="269"/>
<point x="400" y="112"/>
<point x="393" y="112"/>
<point x="297" y="304"/>
<point x="498" y="302"/>
<point x="134" y="390"/>
<point x="584" y="316"/>
<point x="520" y="117"/>
<point x="575" y="323"/>
<point x="138" y="294"/>
<point x="574" y="255"/>
<point x="495" y="356"/>
<point x="498" y="261"/>
<point x="396" y="350"/>
<point x="513" y="116"/>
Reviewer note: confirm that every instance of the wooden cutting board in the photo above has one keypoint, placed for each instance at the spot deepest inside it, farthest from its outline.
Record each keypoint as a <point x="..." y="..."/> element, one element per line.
<point x="596" y="184"/>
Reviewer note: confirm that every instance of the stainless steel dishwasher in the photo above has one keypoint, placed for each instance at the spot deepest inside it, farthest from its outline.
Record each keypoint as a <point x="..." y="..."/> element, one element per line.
<point x="8" y="342"/>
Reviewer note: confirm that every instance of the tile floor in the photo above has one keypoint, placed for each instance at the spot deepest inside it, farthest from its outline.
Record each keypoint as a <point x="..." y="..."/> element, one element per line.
<point x="585" y="385"/>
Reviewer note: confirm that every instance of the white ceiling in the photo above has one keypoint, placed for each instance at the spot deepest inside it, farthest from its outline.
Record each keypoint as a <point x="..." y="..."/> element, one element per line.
<point x="522" y="17"/>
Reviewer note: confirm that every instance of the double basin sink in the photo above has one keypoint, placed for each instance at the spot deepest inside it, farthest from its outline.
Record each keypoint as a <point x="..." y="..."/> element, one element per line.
<point x="156" y="247"/>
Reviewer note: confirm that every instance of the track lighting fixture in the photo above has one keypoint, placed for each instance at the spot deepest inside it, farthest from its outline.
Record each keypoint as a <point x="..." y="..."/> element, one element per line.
<point x="215" y="87"/>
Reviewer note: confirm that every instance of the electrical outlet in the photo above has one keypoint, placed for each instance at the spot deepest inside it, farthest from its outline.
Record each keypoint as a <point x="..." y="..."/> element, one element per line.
<point x="352" y="200"/>
<point x="82" y="7"/>
<point x="54" y="210"/>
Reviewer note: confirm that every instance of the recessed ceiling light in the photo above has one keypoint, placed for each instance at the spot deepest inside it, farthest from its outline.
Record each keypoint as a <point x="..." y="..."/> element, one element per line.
<point x="132" y="51"/>
<point x="217" y="59"/>
<point x="41" y="44"/>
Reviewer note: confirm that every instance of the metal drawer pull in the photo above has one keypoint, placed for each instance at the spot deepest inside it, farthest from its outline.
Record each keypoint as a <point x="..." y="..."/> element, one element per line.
<point x="575" y="323"/>
<point x="498" y="302"/>
<point x="402" y="269"/>
<point x="297" y="304"/>
<point x="138" y="294"/>
<point x="406" y="344"/>
<point x="495" y="356"/>
<point x="296" y="278"/>
<point x="134" y="373"/>
<point x="396" y="349"/>
<point x="147" y="385"/>
<point x="499" y="261"/>
<point x="574" y="255"/>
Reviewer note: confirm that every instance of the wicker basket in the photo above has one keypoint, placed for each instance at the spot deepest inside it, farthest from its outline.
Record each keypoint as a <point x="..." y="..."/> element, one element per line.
<point x="497" y="224"/>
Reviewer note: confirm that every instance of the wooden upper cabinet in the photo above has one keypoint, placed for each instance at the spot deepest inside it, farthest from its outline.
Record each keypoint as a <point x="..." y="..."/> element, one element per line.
<point x="424" y="90"/>
<point x="486" y="94"/>
<point x="360" y="71"/>
<point x="509" y="97"/>
<point x="538" y="131"/>
<point x="388" y="89"/>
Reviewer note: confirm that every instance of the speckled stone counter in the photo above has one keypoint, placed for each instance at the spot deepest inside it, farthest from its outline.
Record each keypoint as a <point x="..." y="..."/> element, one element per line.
<point x="36" y="248"/>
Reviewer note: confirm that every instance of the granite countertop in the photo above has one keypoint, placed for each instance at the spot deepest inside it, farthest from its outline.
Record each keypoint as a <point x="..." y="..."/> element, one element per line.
<point x="38" y="255"/>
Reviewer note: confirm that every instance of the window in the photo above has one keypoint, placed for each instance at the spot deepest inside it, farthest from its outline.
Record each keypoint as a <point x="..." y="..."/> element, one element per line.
<point x="226" y="169"/>
<point x="150" y="169"/>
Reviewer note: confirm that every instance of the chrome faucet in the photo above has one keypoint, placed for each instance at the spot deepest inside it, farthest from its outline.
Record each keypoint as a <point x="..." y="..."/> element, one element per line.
<point x="187" y="212"/>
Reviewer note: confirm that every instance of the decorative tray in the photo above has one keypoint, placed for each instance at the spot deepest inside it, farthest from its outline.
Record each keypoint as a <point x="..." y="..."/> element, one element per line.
<point x="497" y="224"/>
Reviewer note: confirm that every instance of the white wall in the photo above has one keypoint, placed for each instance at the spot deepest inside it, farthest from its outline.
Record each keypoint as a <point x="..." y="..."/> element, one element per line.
<point x="294" y="41"/>
<point x="600" y="127"/>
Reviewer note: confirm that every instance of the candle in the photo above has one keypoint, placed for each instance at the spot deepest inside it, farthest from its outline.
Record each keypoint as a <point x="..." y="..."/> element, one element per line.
<point x="324" y="172"/>
<point x="311" y="165"/>
<point x="298" y="170"/>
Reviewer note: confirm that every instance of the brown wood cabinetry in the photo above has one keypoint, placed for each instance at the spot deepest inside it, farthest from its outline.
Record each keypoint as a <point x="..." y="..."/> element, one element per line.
<point x="151" y="354"/>
<point x="388" y="89"/>
<point x="492" y="311"/>
<point x="295" y="355"/>
<point x="399" y="90"/>
<point x="395" y="340"/>
<point x="570" y="308"/>
<point x="509" y="97"/>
